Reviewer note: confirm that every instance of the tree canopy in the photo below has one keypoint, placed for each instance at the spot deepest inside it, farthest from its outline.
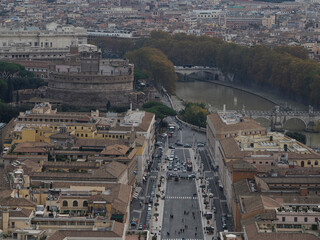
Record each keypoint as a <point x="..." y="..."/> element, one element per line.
<point x="13" y="76"/>
<point x="156" y="65"/>
<point x="195" y="113"/>
<point x="159" y="109"/>
<point x="284" y="69"/>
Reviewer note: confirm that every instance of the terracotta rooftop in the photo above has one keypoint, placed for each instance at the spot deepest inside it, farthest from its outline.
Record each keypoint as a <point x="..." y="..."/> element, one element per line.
<point x="115" y="232"/>
<point x="17" y="202"/>
<point x="115" y="150"/>
<point x="253" y="234"/>
<point x="69" y="164"/>
<point x="21" y="213"/>
<point x="221" y="127"/>
<point x="97" y="142"/>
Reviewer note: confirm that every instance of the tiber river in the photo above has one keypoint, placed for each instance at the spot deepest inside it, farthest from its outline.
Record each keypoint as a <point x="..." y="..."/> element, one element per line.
<point x="217" y="95"/>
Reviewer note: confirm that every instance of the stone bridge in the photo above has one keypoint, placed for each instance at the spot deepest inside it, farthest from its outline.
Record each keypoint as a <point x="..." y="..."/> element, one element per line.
<point x="186" y="73"/>
<point x="279" y="117"/>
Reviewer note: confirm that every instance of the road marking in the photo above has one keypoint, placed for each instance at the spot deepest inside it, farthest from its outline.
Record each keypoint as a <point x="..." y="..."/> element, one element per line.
<point x="180" y="197"/>
<point x="182" y="238"/>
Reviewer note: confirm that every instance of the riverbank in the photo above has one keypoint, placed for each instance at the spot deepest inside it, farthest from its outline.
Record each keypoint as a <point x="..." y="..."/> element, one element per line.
<point x="272" y="98"/>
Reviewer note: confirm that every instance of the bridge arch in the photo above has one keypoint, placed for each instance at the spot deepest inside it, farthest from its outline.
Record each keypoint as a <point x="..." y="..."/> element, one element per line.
<point x="264" y="121"/>
<point x="297" y="122"/>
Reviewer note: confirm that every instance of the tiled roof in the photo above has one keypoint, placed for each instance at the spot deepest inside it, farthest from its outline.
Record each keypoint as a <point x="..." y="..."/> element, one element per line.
<point x="97" y="142"/>
<point x="231" y="148"/>
<point x="221" y="127"/>
<point x="146" y="121"/>
<point x="4" y="180"/>
<point x="69" y="164"/>
<point x="115" y="232"/>
<point x="253" y="234"/>
<point x="23" y="213"/>
<point x="13" y="202"/>
<point x="115" y="168"/>
<point x="115" y="150"/>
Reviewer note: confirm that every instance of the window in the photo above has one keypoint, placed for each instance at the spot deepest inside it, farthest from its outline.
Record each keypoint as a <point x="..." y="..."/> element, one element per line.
<point x="309" y="162"/>
<point x="35" y="44"/>
<point x="85" y="204"/>
<point x="75" y="203"/>
<point x="13" y="224"/>
<point x="65" y="203"/>
<point x="305" y="219"/>
<point x="283" y="219"/>
<point x="316" y="162"/>
<point x="295" y="219"/>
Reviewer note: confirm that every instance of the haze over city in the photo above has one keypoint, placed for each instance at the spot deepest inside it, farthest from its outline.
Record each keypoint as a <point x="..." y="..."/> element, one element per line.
<point x="159" y="119"/>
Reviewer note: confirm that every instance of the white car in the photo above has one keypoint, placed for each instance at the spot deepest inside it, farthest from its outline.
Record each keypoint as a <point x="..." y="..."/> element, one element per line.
<point x="175" y="169"/>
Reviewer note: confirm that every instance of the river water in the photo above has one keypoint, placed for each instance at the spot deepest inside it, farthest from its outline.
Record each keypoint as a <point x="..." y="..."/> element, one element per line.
<point x="234" y="99"/>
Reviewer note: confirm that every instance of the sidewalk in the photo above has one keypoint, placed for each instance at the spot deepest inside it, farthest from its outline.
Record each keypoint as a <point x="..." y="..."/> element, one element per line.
<point x="196" y="163"/>
<point x="156" y="223"/>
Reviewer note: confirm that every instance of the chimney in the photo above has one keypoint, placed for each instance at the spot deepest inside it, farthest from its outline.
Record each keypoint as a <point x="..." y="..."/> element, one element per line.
<point x="5" y="221"/>
<point x="74" y="49"/>
<point x="303" y="191"/>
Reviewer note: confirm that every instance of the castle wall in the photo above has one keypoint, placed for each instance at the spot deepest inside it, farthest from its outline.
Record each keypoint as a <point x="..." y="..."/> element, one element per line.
<point x="90" y="90"/>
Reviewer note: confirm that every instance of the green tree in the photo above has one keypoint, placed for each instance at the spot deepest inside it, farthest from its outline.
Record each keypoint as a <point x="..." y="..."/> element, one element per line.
<point x="156" y="65"/>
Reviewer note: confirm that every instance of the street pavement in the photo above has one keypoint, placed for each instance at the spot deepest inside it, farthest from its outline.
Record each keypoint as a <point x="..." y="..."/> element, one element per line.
<point x="219" y="199"/>
<point x="179" y="214"/>
<point x="181" y="211"/>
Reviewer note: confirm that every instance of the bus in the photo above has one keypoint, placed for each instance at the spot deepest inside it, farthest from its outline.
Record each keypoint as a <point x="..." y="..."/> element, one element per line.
<point x="171" y="127"/>
<point x="189" y="166"/>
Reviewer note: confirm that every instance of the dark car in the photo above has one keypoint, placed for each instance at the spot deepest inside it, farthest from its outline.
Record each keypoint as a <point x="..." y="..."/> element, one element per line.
<point x="187" y="146"/>
<point x="179" y="144"/>
<point x="172" y="147"/>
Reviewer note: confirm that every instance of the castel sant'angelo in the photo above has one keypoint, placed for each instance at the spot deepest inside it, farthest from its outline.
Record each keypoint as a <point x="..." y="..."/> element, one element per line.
<point x="83" y="78"/>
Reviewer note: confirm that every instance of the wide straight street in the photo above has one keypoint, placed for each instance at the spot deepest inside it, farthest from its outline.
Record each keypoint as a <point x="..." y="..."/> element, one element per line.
<point x="181" y="211"/>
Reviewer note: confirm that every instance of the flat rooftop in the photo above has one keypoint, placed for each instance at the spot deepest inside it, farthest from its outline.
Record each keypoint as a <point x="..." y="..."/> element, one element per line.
<point x="272" y="142"/>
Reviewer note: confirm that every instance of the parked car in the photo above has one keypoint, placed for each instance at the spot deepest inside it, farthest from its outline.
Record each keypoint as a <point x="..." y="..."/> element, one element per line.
<point x="179" y="144"/>
<point x="172" y="147"/>
<point x="187" y="146"/>
<point x="140" y="227"/>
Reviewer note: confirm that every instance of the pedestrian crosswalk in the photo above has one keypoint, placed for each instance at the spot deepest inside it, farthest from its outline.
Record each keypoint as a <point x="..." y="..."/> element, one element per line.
<point x="137" y="191"/>
<point x="180" y="197"/>
<point x="182" y="238"/>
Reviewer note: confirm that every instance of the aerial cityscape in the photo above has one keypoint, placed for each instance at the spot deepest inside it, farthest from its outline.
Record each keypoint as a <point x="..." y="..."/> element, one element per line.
<point x="160" y="119"/>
